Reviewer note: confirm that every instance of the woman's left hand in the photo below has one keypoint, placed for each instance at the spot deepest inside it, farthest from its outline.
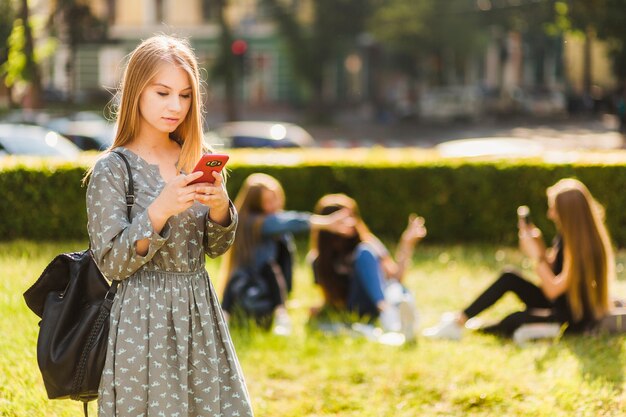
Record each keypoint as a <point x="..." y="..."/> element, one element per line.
<point x="215" y="197"/>
<point x="415" y="230"/>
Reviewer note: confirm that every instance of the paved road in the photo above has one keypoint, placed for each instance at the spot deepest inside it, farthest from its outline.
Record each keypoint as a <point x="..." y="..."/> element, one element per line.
<point x="525" y="135"/>
<point x="585" y="133"/>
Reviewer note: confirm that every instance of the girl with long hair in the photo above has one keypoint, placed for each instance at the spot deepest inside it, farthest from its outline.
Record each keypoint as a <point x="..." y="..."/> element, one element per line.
<point x="574" y="273"/>
<point x="170" y="351"/>
<point x="358" y="275"/>
<point x="264" y="249"/>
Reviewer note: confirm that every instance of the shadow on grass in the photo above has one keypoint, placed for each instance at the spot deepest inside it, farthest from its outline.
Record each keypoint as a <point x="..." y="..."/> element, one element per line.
<point x="601" y="358"/>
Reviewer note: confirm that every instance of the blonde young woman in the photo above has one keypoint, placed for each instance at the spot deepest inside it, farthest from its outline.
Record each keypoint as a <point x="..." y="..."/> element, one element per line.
<point x="574" y="273"/>
<point x="264" y="248"/>
<point x="170" y="351"/>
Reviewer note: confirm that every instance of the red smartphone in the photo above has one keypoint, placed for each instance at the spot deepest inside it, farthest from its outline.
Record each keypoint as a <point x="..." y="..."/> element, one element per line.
<point x="208" y="163"/>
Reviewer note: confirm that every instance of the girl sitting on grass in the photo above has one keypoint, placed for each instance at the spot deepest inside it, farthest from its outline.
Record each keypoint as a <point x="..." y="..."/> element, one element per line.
<point x="574" y="273"/>
<point x="358" y="275"/>
<point x="264" y="250"/>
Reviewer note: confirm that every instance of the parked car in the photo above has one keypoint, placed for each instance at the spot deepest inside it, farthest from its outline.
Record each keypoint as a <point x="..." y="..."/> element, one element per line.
<point x="86" y="130"/>
<point x="452" y="102"/>
<point x="256" y="134"/>
<point x="20" y="139"/>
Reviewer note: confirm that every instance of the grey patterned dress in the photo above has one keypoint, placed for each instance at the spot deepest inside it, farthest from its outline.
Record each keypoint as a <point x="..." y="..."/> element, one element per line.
<point x="170" y="352"/>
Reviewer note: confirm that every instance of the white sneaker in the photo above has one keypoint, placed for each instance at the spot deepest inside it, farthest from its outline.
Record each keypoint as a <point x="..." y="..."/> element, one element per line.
<point x="408" y="320"/>
<point x="390" y="319"/>
<point x="474" y="323"/>
<point x="448" y="328"/>
<point x="533" y="331"/>
<point x="369" y="331"/>
<point x="282" y="323"/>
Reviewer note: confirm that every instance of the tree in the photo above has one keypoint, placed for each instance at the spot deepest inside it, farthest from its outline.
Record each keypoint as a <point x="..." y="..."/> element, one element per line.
<point x="613" y="29"/>
<point x="224" y="67"/>
<point x="535" y="20"/>
<point x="314" y="45"/>
<point x="7" y="16"/>
<point x="74" y="23"/>
<point x="427" y="34"/>
<point x="31" y="72"/>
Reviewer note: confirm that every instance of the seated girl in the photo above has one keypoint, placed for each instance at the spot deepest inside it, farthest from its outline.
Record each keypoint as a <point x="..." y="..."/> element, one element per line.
<point x="358" y="275"/>
<point x="574" y="273"/>
<point x="259" y="266"/>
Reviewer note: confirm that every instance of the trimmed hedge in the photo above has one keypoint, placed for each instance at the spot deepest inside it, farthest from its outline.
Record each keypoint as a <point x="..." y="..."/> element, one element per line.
<point x="462" y="201"/>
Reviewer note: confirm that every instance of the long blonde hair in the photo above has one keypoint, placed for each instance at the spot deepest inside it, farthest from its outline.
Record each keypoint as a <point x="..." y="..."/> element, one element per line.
<point x="143" y="64"/>
<point x="251" y="216"/>
<point x="588" y="255"/>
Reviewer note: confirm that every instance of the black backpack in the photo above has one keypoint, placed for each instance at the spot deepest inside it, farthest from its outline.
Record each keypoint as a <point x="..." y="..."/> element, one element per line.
<point x="74" y="301"/>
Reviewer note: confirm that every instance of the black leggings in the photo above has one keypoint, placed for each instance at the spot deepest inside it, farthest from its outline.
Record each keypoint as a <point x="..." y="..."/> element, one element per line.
<point x="526" y="291"/>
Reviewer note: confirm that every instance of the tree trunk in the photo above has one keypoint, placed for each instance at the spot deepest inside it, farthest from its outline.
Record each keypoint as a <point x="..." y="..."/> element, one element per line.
<point x="226" y="40"/>
<point x="587" y="62"/>
<point x="33" y="96"/>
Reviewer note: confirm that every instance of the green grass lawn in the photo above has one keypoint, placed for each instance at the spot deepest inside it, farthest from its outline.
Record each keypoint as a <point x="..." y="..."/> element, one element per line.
<point x="312" y="374"/>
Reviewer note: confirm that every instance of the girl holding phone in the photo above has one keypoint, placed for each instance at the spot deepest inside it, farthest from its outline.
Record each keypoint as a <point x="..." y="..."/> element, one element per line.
<point x="170" y="351"/>
<point x="574" y="273"/>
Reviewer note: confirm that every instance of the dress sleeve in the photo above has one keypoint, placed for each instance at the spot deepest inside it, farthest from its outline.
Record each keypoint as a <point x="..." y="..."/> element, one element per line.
<point x="218" y="238"/>
<point x="111" y="234"/>
<point x="286" y="222"/>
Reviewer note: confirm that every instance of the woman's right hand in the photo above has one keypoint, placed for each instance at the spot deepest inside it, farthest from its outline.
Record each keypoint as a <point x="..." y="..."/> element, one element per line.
<point x="340" y="222"/>
<point x="177" y="196"/>
<point x="531" y="241"/>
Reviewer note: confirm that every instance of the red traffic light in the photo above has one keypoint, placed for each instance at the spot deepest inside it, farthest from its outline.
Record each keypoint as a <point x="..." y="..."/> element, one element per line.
<point x="239" y="47"/>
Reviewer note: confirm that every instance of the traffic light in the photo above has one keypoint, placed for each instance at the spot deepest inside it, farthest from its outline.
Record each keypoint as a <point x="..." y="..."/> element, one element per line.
<point x="239" y="48"/>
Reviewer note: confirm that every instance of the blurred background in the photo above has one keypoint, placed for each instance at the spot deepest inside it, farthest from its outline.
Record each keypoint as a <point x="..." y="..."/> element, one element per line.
<point x="387" y="71"/>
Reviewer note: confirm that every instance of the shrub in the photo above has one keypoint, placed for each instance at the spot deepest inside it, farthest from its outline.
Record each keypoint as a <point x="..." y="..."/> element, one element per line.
<point x="462" y="200"/>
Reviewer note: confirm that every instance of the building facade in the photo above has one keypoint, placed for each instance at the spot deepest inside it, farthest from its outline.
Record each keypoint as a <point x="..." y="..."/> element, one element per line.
<point x="97" y="67"/>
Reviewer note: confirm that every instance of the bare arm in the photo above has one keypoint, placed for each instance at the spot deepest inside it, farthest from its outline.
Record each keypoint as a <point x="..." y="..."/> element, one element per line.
<point x="552" y="285"/>
<point x="532" y="245"/>
<point x="414" y="232"/>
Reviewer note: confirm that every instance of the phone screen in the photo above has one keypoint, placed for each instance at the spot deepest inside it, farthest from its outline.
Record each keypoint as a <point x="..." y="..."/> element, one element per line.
<point x="523" y="212"/>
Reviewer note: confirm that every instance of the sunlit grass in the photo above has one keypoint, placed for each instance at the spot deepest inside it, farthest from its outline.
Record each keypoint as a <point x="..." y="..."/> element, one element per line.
<point x="312" y="374"/>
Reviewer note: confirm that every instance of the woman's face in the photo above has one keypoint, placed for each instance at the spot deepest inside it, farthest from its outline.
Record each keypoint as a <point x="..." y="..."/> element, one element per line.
<point x="349" y="225"/>
<point x="165" y="102"/>
<point x="552" y="213"/>
<point x="270" y="201"/>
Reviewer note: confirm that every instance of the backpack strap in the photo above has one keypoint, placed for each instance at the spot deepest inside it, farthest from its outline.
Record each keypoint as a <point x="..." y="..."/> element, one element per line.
<point x="130" y="201"/>
<point x="130" y="192"/>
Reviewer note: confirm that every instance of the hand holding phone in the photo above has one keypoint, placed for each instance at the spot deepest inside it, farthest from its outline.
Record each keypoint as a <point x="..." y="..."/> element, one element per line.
<point x="209" y="163"/>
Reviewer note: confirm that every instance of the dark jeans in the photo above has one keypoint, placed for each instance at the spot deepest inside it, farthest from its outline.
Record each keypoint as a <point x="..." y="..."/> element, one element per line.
<point x="527" y="292"/>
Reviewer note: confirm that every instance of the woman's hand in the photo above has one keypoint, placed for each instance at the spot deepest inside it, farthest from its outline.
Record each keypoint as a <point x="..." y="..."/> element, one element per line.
<point x="415" y="230"/>
<point x="177" y="196"/>
<point x="340" y="222"/>
<point x="531" y="241"/>
<point x="215" y="197"/>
